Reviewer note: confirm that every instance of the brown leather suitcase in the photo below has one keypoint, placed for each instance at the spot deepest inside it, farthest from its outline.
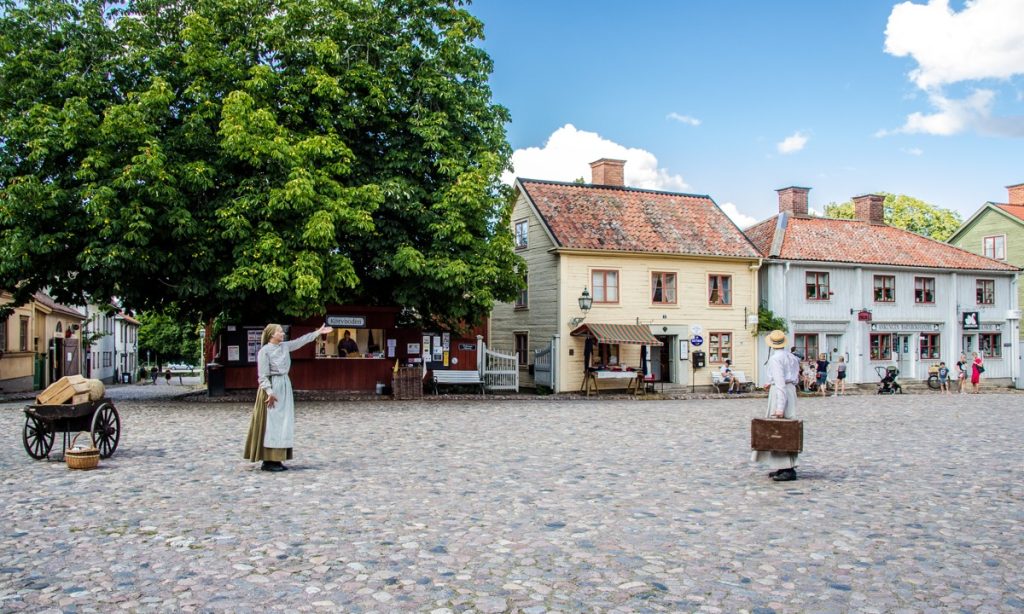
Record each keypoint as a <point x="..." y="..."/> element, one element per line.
<point x="776" y="435"/>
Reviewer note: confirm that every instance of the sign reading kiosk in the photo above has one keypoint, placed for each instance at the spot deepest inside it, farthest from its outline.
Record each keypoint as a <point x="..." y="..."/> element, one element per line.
<point x="345" y="321"/>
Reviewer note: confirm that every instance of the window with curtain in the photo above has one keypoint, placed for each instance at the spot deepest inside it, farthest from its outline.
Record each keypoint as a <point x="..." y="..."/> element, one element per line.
<point x="663" y="288"/>
<point x="924" y="290"/>
<point x="816" y="286"/>
<point x="720" y="290"/>
<point x="885" y="288"/>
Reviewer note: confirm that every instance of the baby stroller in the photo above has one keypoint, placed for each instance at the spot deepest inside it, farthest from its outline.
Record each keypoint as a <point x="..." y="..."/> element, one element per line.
<point x="888" y="385"/>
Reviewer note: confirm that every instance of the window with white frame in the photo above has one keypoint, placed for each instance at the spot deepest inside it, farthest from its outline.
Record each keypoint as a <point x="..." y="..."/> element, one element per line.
<point x="522" y="240"/>
<point x="994" y="247"/>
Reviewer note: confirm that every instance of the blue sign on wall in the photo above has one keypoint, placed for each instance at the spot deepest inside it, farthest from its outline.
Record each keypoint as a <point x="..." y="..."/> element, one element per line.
<point x="696" y="340"/>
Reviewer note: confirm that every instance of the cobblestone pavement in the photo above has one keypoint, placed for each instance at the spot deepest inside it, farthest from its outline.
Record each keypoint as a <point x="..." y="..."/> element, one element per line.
<point x="904" y="504"/>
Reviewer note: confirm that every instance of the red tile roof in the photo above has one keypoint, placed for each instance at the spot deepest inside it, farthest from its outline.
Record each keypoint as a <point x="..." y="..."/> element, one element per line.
<point x="1014" y="210"/>
<point x="612" y="218"/>
<point x="856" y="242"/>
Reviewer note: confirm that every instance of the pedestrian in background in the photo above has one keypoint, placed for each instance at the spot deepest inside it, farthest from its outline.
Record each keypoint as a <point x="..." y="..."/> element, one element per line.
<point x="822" y="374"/>
<point x="272" y="426"/>
<point x="943" y="374"/>
<point x="783" y="374"/>
<point x="961" y="374"/>
<point x="840" y="376"/>
<point x="977" y="368"/>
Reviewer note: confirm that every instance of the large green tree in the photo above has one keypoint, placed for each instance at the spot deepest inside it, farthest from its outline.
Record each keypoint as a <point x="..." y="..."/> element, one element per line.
<point x="254" y="157"/>
<point x="908" y="213"/>
<point x="165" y="337"/>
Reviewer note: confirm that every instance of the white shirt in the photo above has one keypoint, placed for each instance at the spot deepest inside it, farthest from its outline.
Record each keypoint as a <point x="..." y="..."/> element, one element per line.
<point x="783" y="368"/>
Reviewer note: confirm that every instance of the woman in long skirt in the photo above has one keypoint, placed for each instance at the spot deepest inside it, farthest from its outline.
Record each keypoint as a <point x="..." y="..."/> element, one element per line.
<point x="272" y="427"/>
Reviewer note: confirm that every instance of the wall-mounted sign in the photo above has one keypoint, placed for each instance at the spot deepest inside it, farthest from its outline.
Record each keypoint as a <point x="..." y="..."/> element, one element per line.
<point x="864" y="315"/>
<point x="696" y="340"/>
<point x="467" y="346"/>
<point x="904" y="326"/>
<point x="969" y="320"/>
<point x="346" y="321"/>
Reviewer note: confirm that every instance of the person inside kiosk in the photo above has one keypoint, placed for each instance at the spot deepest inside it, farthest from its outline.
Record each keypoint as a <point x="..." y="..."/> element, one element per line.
<point x="348" y="346"/>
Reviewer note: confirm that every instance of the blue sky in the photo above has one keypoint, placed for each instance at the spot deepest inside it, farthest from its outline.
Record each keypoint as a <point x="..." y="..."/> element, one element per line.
<point x="736" y="99"/>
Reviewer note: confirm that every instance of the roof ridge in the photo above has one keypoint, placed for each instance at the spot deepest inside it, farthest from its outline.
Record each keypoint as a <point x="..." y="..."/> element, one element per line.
<point x="572" y="184"/>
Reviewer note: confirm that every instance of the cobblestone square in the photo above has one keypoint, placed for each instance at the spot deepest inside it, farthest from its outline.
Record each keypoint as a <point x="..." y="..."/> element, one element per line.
<point x="904" y="504"/>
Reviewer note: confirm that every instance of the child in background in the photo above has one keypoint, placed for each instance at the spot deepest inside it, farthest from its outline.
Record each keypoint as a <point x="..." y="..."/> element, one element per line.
<point x="822" y="374"/>
<point x="840" y="376"/>
<point x="943" y="378"/>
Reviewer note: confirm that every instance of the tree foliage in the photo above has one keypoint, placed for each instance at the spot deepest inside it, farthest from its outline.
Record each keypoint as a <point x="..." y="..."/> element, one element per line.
<point x="167" y="339"/>
<point x="908" y="213"/>
<point x="259" y="157"/>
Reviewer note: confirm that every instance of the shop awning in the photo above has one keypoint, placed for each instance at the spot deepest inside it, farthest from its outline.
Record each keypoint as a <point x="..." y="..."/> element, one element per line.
<point x="636" y="334"/>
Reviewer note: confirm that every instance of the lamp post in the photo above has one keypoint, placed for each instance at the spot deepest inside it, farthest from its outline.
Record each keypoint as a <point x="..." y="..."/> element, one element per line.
<point x="586" y="302"/>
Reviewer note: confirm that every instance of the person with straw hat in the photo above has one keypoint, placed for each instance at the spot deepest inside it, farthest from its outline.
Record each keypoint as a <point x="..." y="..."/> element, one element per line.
<point x="272" y="427"/>
<point x="783" y="374"/>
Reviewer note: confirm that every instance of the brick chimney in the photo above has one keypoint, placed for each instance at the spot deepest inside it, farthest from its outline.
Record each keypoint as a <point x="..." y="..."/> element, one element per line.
<point x="793" y="200"/>
<point x="1016" y="194"/>
<point x="869" y="208"/>
<point x="608" y="172"/>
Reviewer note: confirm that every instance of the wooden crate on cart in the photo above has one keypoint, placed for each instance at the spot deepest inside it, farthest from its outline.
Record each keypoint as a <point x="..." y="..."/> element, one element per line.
<point x="71" y="388"/>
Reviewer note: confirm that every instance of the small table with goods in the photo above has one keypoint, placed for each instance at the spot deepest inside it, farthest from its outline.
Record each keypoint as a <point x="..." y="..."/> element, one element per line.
<point x="632" y="381"/>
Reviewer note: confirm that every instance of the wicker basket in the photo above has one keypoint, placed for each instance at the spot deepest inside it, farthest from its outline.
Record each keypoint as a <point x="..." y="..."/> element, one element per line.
<point x="407" y="383"/>
<point x="83" y="458"/>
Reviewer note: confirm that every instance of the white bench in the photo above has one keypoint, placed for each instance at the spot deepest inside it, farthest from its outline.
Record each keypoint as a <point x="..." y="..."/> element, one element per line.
<point x="742" y="383"/>
<point x="456" y="378"/>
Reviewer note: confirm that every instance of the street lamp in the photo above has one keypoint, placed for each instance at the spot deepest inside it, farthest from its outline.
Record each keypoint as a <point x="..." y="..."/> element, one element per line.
<point x="586" y="302"/>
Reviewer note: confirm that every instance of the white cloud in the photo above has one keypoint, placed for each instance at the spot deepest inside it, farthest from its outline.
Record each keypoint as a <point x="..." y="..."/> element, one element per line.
<point x="952" y="116"/>
<point x="912" y="151"/>
<point x="792" y="143"/>
<point x="568" y="153"/>
<point x="984" y="40"/>
<point x="683" y="119"/>
<point x="741" y="219"/>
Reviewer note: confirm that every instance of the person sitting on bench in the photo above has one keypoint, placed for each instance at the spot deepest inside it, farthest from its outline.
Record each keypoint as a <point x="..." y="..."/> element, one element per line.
<point x="728" y="377"/>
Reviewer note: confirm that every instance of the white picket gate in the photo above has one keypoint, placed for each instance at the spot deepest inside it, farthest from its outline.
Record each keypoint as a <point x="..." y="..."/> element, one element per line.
<point x="543" y="367"/>
<point x="499" y="371"/>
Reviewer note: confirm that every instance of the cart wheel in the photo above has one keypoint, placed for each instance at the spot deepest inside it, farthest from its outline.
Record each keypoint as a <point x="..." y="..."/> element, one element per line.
<point x="106" y="429"/>
<point x="37" y="437"/>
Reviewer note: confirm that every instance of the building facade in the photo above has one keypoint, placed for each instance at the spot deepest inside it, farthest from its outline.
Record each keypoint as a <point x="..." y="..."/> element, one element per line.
<point x="880" y="296"/>
<point x="996" y="231"/>
<point x="667" y="263"/>
<point x="39" y="343"/>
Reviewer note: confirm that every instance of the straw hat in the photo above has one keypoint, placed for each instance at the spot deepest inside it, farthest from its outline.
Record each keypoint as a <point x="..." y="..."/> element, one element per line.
<point x="776" y="339"/>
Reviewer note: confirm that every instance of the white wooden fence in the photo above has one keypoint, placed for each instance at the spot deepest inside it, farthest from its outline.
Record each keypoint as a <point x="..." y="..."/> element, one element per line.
<point x="500" y="371"/>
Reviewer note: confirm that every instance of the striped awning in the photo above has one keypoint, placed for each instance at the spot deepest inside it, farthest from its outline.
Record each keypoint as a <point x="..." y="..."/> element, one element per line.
<point x="636" y="334"/>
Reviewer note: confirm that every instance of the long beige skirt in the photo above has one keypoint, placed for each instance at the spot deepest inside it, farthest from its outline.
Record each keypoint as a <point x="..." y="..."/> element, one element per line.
<point x="254" y="450"/>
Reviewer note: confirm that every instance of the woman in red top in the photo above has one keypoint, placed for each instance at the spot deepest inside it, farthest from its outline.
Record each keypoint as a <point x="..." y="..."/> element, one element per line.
<point x="976" y="368"/>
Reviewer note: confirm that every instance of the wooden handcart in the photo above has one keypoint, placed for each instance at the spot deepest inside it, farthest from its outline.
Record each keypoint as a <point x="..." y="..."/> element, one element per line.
<point x="71" y="405"/>
<point x="99" y="418"/>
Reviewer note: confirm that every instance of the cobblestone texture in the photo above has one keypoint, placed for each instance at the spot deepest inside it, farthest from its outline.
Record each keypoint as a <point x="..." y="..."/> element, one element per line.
<point x="905" y="504"/>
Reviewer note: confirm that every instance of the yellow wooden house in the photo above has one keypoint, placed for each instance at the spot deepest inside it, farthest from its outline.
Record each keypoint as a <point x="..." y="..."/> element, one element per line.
<point x="669" y="270"/>
<point x="39" y="342"/>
